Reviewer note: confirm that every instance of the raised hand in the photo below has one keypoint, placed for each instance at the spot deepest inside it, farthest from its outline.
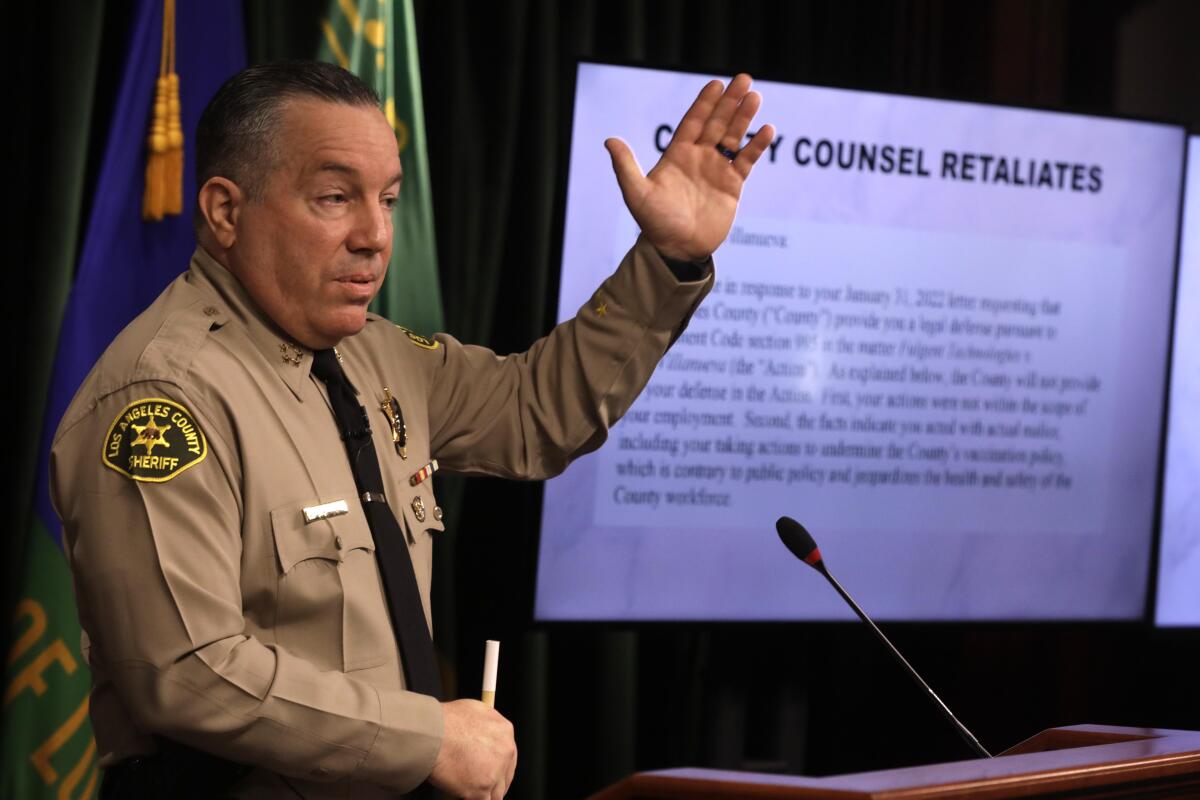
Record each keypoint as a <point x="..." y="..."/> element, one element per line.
<point x="686" y="204"/>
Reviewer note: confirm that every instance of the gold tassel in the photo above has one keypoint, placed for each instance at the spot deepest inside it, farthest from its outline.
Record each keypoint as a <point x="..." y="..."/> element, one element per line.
<point x="164" y="145"/>
<point x="156" y="143"/>
<point x="173" y="177"/>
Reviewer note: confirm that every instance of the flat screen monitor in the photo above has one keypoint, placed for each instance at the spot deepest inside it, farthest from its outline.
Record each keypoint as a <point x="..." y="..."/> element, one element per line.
<point x="938" y="338"/>
<point x="1178" y="601"/>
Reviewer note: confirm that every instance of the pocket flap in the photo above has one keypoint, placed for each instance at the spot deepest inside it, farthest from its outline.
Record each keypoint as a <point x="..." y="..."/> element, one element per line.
<point x="330" y="538"/>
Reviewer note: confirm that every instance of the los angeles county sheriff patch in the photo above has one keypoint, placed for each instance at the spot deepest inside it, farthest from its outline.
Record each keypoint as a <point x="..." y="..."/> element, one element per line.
<point x="418" y="339"/>
<point x="154" y="440"/>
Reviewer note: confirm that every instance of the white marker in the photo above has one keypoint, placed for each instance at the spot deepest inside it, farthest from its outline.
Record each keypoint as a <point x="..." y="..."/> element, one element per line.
<point x="491" y="665"/>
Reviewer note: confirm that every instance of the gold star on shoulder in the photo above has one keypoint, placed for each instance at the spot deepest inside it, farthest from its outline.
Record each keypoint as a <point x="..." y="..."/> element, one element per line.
<point x="151" y="435"/>
<point x="601" y="309"/>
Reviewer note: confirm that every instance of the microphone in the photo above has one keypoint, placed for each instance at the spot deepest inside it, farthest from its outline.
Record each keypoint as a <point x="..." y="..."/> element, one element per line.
<point x="804" y="547"/>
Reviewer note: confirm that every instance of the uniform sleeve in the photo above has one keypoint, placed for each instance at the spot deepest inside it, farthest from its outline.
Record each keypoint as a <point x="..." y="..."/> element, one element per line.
<point x="528" y="415"/>
<point x="157" y="561"/>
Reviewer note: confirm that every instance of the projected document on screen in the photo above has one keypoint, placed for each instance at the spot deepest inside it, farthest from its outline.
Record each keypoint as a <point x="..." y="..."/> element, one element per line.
<point x="1179" y="552"/>
<point x="937" y="336"/>
<point x="950" y="385"/>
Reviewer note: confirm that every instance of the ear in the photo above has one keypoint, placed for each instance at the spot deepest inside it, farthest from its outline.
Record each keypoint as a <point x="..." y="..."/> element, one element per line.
<point x="220" y="201"/>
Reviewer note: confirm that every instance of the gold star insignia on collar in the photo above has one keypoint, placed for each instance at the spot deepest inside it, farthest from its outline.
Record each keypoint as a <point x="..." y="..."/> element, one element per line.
<point x="291" y="353"/>
<point x="601" y="309"/>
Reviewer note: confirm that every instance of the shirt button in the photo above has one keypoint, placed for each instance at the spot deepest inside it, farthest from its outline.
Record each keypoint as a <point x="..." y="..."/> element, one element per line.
<point x="210" y="311"/>
<point x="320" y="772"/>
<point x="337" y="542"/>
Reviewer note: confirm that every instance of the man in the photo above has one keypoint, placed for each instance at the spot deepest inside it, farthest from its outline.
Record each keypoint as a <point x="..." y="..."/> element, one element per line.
<point x="241" y="618"/>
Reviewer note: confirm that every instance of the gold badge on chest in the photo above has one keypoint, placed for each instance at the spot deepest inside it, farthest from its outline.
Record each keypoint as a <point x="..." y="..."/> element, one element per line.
<point x="395" y="419"/>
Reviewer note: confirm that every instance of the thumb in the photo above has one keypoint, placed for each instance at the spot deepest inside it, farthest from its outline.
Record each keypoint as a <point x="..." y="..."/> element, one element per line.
<point x="625" y="165"/>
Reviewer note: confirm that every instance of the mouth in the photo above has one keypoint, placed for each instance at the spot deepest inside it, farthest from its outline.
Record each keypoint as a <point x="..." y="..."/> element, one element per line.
<point x="358" y="285"/>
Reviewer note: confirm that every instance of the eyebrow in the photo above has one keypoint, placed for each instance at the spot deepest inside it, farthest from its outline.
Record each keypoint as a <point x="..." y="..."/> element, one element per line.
<point x="345" y="169"/>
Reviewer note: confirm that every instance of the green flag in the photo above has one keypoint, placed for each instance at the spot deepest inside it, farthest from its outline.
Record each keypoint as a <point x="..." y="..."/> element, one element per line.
<point x="377" y="41"/>
<point x="48" y="746"/>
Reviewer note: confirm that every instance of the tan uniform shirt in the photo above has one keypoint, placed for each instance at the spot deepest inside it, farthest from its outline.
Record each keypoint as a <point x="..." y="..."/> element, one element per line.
<point x="213" y="612"/>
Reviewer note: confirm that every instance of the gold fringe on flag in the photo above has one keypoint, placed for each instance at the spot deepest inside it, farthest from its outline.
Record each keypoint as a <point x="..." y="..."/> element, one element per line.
<point x="156" y="144"/>
<point x="164" y="159"/>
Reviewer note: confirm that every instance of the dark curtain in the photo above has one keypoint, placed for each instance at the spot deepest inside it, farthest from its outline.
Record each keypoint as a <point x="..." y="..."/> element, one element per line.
<point x="42" y="225"/>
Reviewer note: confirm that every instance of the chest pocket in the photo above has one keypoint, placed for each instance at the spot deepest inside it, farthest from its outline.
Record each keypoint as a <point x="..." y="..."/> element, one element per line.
<point x="330" y="606"/>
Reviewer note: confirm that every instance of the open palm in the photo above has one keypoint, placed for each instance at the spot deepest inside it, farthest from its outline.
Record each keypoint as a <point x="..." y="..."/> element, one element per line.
<point x="686" y="204"/>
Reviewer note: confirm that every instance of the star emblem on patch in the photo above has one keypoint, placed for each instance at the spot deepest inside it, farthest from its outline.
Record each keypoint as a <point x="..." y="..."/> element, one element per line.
<point x="150" y="435"/>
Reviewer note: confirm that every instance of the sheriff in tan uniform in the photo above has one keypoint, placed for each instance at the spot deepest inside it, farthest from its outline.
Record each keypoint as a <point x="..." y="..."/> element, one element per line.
<point x="243" y="629"/>
<point x="224" y="568"/>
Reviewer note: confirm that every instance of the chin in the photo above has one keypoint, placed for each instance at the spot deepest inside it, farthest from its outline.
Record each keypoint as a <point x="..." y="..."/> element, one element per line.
<point x="344" y="328"/>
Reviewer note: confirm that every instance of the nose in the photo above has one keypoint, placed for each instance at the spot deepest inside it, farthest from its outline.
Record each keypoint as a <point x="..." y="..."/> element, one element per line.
<point x="372" y="231"/>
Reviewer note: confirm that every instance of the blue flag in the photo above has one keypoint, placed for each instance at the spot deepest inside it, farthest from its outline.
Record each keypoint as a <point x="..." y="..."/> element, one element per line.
<point x="126" y="262"/>
<point x="48" y="748"/>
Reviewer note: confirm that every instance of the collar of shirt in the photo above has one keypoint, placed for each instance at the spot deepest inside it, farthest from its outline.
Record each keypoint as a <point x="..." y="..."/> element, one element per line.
<point x="291" y="361"/>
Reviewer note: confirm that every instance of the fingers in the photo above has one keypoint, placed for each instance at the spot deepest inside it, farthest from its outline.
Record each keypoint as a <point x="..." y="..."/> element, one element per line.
<point x="501" y="789"/>
<point x="477" y="759"/>
<point x="720" y="119"/>
<point x="692" y="124"/>
<point x="741" y="121"/>
<point x="750" y="153"/>
<point x="625" y="165"/>
<point x="512" y="771"/>
<point x="722" y="114"/>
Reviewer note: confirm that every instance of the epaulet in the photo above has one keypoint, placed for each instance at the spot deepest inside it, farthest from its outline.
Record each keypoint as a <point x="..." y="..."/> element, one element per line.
<point x="162" y="341"/>
<point x="158" y="345"/>
<point x="182" y="333"/>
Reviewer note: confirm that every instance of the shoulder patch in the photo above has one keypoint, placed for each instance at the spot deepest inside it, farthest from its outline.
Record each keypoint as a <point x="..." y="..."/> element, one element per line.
<point x="419" y="340"/>
<point x="153" y="440"/>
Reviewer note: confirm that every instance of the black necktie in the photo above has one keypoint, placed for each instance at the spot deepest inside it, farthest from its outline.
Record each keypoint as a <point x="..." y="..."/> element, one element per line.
<point x="391" y="546"/>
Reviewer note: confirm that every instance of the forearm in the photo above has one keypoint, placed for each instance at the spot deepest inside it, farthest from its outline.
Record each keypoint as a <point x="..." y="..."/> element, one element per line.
<point x="242" y="700"/>
<point x="528" y="415"/>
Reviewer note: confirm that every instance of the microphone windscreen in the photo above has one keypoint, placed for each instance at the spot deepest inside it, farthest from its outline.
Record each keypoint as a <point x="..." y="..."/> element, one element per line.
<point x="798" y="540"/>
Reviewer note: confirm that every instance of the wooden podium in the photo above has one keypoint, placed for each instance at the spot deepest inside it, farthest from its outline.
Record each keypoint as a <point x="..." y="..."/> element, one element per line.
<point x="1078" y="761"/>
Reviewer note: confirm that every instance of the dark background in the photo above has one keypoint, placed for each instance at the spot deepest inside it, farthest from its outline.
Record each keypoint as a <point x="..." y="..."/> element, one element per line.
<point x="593" y="703"/>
